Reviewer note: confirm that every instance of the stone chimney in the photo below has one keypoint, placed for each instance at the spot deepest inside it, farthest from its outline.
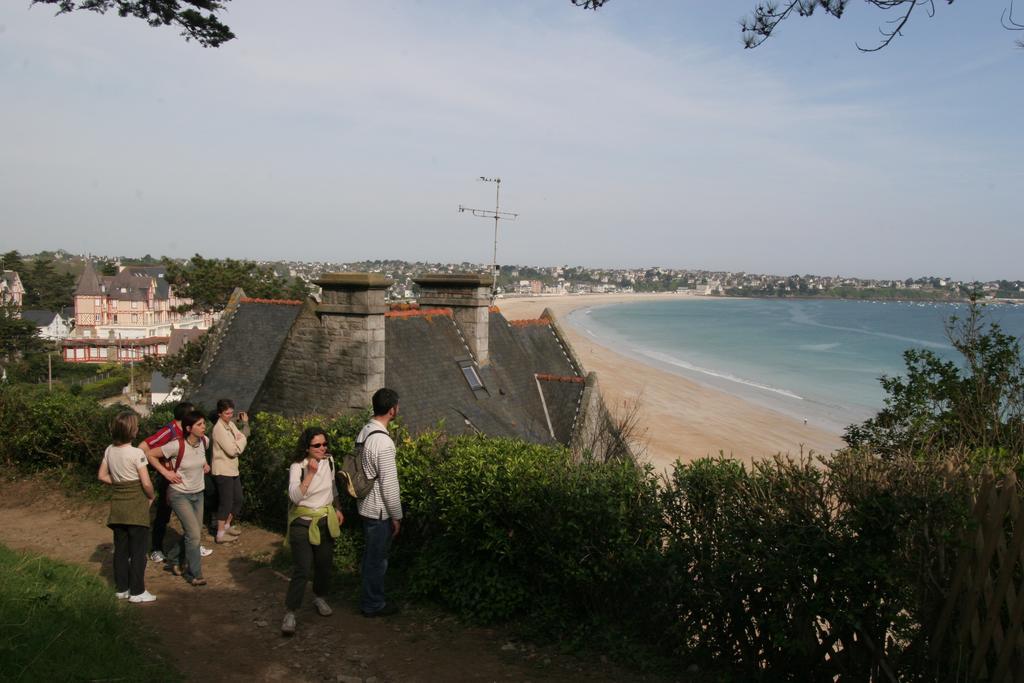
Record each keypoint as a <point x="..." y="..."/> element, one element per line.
<point x="351" y="314"/>
<point x="469" y="297"/>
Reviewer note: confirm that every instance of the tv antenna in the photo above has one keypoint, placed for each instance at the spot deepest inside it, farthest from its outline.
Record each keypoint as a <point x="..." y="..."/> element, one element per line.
<point x="497" y="215"/>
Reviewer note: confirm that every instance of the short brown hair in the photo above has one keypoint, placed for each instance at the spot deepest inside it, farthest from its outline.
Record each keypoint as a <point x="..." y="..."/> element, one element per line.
<point x="124" y="427"/>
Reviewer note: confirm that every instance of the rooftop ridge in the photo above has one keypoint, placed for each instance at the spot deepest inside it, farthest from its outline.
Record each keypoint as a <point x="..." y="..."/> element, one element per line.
<point x="282" y="302"/>
<point x="574" y="379"/>
<point x="419" y="313"/>
<point x="530" y="321"/>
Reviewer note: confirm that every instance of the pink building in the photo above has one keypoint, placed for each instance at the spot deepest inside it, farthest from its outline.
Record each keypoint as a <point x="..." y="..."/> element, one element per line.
<point x="12" y="292"/>
<point x="127" y="316"/>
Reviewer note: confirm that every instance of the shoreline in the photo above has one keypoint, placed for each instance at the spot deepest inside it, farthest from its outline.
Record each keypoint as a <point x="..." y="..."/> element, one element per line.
<point x="679" y="418"/>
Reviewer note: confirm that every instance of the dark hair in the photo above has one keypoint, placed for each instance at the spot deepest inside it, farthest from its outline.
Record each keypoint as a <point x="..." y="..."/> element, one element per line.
<point x="183" y="409"/>
<point x="224" y="404"/>
<point x="384" y="400"/>
<point x="124" y="427"/>
<point x="305" y="438"/>
<point x="190" y="419"/>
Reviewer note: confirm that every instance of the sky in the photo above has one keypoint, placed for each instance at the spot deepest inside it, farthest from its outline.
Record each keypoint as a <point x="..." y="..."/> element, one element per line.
<point x="642" y="134"/>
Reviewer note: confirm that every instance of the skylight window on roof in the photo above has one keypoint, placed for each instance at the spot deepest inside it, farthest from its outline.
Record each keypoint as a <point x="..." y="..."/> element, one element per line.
<point x="472" y="377"/>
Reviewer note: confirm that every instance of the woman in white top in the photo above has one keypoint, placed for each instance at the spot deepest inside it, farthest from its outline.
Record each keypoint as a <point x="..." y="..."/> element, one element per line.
<point x="314" y="521"/>
<point x="124" y="468"/>
<point x="186" y="497"/>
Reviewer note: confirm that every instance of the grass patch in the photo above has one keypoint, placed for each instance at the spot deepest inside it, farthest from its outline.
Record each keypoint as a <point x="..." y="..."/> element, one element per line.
<point x="60" y="622"/>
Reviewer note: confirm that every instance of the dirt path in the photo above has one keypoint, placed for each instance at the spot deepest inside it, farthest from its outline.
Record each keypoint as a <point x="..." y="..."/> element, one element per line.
<point x="228" y="630"/>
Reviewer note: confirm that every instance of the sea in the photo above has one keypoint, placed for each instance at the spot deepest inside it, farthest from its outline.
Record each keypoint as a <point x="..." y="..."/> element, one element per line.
<point x="813" y="359"/>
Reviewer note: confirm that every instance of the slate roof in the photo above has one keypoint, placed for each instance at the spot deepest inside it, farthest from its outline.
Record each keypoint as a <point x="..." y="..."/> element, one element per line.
<point x="89" y="282"/>
<point x="531" y="387"/>
<point x="158" y="384"/>
<point x="423" y="363"/>
<point x="159" y="275"/>
<point x="243" y="350"/>
<point x="135" y="285"/>
<point x="423" y="355"/>
<point x="40" y="317"/>
<point x="180" y="337"/>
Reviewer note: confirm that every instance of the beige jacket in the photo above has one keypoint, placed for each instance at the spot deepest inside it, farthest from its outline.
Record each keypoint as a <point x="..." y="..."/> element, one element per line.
<point x="228" y="444"/>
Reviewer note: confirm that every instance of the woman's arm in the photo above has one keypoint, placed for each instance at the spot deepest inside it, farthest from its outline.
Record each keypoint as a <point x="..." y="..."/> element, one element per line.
<point x="225" y="440"/>
<point x="104" y="473"/>
<point x="147" y="483"/>
<point x="297" y="486"/>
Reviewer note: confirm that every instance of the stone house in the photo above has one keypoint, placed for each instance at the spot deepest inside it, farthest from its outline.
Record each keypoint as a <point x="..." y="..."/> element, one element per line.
<point x="455" y="361"/>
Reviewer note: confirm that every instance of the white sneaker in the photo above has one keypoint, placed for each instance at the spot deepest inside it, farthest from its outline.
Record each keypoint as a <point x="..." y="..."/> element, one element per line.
<point x="322" y="607"/>
<point x="144" y="596"/>
<point x="156" y="556"/>
<point x="204" y="551"/>
<point x="288" y="625"/>
<point x="123" y="595"/>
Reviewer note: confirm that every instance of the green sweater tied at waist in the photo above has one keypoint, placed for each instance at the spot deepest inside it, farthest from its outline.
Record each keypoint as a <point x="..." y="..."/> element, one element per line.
<point x="315" y="515"/>
<point x="128" y="504"/>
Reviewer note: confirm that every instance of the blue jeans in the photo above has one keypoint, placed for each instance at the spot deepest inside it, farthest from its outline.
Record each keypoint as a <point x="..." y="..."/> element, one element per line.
<point x="189" y="509"/>
<point x="375" y="563"/>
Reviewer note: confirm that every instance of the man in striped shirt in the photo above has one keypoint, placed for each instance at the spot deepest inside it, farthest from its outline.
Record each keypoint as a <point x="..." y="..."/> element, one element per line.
<point x="381" y="509"/>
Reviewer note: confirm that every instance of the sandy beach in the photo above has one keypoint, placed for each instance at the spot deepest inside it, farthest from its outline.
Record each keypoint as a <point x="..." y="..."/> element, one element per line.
<point x="680" y="418"/>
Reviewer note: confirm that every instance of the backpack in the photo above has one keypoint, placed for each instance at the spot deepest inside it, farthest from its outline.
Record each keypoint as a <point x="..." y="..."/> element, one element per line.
<point x="181" y="452"/>
<point x="352" y="473"/>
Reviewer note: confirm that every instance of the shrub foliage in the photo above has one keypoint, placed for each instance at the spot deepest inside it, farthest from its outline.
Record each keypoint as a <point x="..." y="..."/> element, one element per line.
<point x="794" y="569"/>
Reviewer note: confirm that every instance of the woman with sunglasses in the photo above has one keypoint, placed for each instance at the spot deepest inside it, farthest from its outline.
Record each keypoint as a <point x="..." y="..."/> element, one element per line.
<point x="314" y="521"/>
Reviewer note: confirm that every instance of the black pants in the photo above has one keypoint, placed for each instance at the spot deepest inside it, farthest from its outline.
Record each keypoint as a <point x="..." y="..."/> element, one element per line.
<point x="318" y="558"/>
<point x="229" y="497"/>
<point x="163" y="514"/>
<point x="130" y="541"/>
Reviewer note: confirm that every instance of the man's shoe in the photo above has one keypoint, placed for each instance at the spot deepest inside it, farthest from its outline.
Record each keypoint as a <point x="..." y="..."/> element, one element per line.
<point x="322" y="607"/>
<point x="204" y="551"/>
<point x="123" y="595"/>
<point x="233" y="530"/>
<point x="144" y="596"/>
<point x="226" y="539"/>
<point x="288" y="624"/>
<point x="156" y="556"/>
<point x="385" y="611"/>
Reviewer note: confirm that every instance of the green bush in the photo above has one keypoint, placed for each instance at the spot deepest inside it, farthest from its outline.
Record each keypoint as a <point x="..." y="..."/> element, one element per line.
<point x="52" y="428"/>
<point x="505" y="529"/>
<point x="110" y="386"/>
<point x="771" y="567"/>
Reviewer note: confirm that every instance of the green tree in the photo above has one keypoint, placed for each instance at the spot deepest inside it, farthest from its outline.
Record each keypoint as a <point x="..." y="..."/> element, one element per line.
<point x="180" y="368"/>
<point x="197" y="18"/>
<point x="940" y="404"/>
<point x="18" y="337"/>
<point x="45" y="288"/>
<point x="11" y="260"/>
<point x="209" y="282"/>
<point x="107" y="267"/>
<point x="768" y="14"/>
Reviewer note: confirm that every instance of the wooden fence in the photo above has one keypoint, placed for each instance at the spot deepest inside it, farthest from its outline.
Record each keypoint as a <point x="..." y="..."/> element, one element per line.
<point x="978" y="635"/>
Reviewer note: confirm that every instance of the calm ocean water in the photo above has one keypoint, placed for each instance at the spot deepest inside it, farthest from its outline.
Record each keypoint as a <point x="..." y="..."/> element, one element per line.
<point x="815" y="359"/>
